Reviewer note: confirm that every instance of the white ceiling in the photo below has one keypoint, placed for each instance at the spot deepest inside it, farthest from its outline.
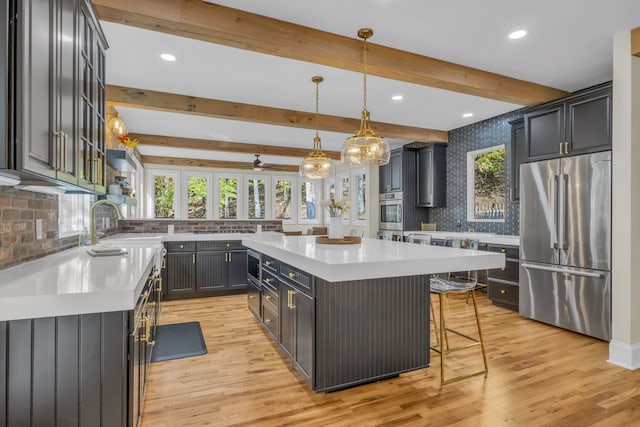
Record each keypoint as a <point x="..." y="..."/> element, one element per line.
<point x="568" y="46"/>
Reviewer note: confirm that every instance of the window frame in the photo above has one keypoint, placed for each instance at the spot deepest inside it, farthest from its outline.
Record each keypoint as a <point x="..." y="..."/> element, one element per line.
<point x="318" y="191"/>
<point x="471" y="155"/>
<point x="267" y="198"/>
<point x="83" y="206"/>
<point x="354" y="196"/>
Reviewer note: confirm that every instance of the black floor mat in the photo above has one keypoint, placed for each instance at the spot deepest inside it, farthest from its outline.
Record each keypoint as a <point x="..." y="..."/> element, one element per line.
<point x="177" y="341"/>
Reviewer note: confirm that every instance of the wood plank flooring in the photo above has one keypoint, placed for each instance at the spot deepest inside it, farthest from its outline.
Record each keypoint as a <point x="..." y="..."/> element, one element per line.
<point x="539" y="375"/>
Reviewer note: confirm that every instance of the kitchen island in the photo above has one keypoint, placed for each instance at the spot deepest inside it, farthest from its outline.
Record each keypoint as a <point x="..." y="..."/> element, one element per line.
<point x="350" y="314"/>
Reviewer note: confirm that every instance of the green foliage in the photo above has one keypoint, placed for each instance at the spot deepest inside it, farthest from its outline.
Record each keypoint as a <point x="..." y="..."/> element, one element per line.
<point x="283" y="199"/>
<point x="489" y="174"/>
<point x="197" y="194"/>
<point x="165" y="197"/>
<point x="228" y="202"/>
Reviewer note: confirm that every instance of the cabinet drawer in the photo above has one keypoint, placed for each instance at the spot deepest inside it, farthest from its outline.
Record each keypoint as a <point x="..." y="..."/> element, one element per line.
<point x="269" y="264"/>
<point x="270" y="319"/>
<point x="504" y="294"/>
<point x="269" y="279"/>
<point x="508" y="251"/>
<point x="296" y="277"/>
<point x="510" y="272"/>
<point x="181" y="246"/>
<point x="270" y="295"/>
<point x="221" y="245"/>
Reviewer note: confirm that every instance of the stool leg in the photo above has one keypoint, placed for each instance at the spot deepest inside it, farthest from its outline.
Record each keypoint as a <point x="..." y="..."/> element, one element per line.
<point x="442" y="350"/>
<point x="475" y="309"/>
<point x="433" y="317"/>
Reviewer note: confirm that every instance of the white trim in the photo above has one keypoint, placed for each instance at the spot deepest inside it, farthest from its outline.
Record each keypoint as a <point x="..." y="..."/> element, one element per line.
<point x="318" y="193"/>
<point x="239" y="195"/>
<point x="353" y="181"/>
<point x="267" y="195"/>
<point x="150" y="189"/>
<point x="624" y="355"/>
<point x="470" y="182"/>
<point x="294" y="197"/>
<point x="184" y="202"/>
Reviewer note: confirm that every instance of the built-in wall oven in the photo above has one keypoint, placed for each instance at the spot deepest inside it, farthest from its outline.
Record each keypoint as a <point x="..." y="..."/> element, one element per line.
<point x="391" y="211"/>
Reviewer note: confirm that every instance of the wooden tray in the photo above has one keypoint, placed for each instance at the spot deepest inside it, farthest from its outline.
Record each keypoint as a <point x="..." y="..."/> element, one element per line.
<point x="346" y="240"/>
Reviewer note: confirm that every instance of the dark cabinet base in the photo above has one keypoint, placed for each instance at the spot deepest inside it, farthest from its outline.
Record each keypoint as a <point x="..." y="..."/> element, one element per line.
<point x="504" y="294"/>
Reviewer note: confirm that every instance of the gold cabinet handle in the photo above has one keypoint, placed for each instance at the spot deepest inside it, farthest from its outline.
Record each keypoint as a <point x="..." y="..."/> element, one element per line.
<point x="292" y="304"/>
<point x="267" y="297"/>
<point x="230" y="258"/>
<point x="503" y="250"/>
<point x="194" y="258"/>
<point x="268" y="279"/>
<point x="228" y="245"/>
<point x="292" y="275"/>
<point x="502" y="291"/>
<point x="267" y="320"/>
<point x="267" y="263"/>
<point x="252" y="297"/>
<point x="164" y="262"/>
<point x="226" y="257"/>
<point x="503" y="268"/>
<point x="181" y="246"/>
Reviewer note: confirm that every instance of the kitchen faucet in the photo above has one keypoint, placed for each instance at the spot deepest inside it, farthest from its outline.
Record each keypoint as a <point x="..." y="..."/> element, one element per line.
<point x="92" y="217"/>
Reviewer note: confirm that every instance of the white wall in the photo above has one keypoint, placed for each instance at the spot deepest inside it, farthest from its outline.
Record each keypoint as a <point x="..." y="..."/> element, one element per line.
<point x="624" y="349"/>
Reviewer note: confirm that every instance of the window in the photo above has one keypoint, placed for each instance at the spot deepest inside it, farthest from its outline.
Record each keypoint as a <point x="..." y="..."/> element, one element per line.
<point x="359" y="203"/>
<point x="309" y="201"/>
<point x="283" y="199"/>
<point x="486" y="184"/>
<point x="73" y="214"/>
<point x="342" y="192"/>
<point x="227" y="196"/>
<point x="164" y="190"/>
<point x="256" y="198"/>
<point x="197" y="197"/>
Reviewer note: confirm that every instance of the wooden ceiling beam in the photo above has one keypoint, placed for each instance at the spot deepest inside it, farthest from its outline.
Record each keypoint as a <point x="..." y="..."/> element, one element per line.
<point x="219" y="164"/>
<point x="635" y="42"/>
<point x="213" y="23"/>
<point x="227" y="146"/>
<point x="162" y="101"/>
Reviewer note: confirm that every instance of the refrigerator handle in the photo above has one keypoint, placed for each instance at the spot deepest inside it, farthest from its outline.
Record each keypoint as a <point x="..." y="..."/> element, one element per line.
<point x="563" y="270"/>
<point x="553" y="238"/>
<point x="565" y="217"/>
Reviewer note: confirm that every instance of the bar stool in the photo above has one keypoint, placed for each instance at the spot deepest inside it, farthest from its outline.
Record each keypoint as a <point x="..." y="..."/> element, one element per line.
<point x="442" y="287"/>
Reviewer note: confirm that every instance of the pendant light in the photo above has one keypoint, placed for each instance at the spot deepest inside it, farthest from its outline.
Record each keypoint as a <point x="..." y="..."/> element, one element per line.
<point x="365" y="147"/>
<point x="317" y="165"/>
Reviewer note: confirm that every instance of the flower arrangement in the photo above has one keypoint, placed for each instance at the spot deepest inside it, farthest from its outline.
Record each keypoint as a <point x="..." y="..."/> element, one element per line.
<point x="127" y="142"/>
<point x="335" y="207"/>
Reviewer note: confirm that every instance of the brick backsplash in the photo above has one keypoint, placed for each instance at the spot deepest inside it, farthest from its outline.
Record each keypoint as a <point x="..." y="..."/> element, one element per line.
<point x="188" y="226"/>
<point x="479" y="135"/>
<point x="19" y="210"/>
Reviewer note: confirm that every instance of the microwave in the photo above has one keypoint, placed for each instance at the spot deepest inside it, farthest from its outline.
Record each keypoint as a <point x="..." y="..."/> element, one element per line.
<point x="391" y="211"/>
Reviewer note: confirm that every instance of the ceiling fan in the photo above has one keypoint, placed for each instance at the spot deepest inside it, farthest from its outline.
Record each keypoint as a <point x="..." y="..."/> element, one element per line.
<point x="258" y="166"/>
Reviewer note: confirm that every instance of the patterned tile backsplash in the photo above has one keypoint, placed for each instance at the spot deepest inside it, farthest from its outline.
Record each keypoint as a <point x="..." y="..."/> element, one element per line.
<point x="479" y="135"/>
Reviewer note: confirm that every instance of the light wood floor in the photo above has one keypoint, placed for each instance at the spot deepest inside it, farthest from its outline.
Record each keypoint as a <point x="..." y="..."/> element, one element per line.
<point x="538" y="375"/>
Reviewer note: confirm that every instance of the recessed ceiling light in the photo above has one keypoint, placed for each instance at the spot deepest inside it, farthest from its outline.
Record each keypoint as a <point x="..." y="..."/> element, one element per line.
<point x="168" y="57"/>
<point x="517" y="34"/>
<point x="465" y="115"/>
<point x="397" y="98"/>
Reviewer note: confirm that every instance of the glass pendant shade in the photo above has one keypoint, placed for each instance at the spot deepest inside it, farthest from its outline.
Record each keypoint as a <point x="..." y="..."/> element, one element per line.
<point x="317" y="165"/>
<point x="117" y="126"/>
<point x="365" y="147"/>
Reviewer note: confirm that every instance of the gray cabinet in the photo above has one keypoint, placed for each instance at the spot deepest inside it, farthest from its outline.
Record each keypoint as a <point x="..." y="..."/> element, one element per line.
<point x="503" y="283"/>
<point x="432" y="176"/>
<point x="204" y="268"/>
<point x="59" y="103"/>
<point x="574" y="125"/>
<point x="518" y="156"/>
<point x="297" y="319"/>
<point x="390" y="175"/>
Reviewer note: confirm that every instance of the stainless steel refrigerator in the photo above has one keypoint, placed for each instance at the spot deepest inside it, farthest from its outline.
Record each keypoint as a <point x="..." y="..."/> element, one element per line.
<point x="565" y="243"/>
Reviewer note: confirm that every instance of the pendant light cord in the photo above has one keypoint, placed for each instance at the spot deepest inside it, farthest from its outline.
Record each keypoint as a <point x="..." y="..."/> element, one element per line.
<point x="364" y="62"/>
<point x="317" y="138"/>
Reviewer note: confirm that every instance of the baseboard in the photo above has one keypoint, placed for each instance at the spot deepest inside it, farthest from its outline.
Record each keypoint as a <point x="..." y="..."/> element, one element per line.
<point x="624" y="355"/>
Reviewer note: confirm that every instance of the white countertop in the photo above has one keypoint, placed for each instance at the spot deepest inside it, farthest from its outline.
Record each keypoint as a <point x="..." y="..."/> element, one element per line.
<point x="496" y="239"/>
<point x="370" y="259"/>
<point x="73" y="282"/>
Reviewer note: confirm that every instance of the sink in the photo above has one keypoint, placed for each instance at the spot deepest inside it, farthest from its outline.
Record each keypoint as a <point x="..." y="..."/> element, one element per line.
<point x="136" y="240"/>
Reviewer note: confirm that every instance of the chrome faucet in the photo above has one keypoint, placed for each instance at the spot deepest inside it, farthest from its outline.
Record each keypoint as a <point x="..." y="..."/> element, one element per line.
<point x="92" y="217"/>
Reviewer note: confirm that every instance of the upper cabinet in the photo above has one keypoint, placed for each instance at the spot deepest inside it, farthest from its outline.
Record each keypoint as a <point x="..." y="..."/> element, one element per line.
<point x="518" y="156"/>
<point x="432" y="176"/>
<point x="391" y="173"/>
<point x="574" y="125"/>
<point x="59" y="102"/>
